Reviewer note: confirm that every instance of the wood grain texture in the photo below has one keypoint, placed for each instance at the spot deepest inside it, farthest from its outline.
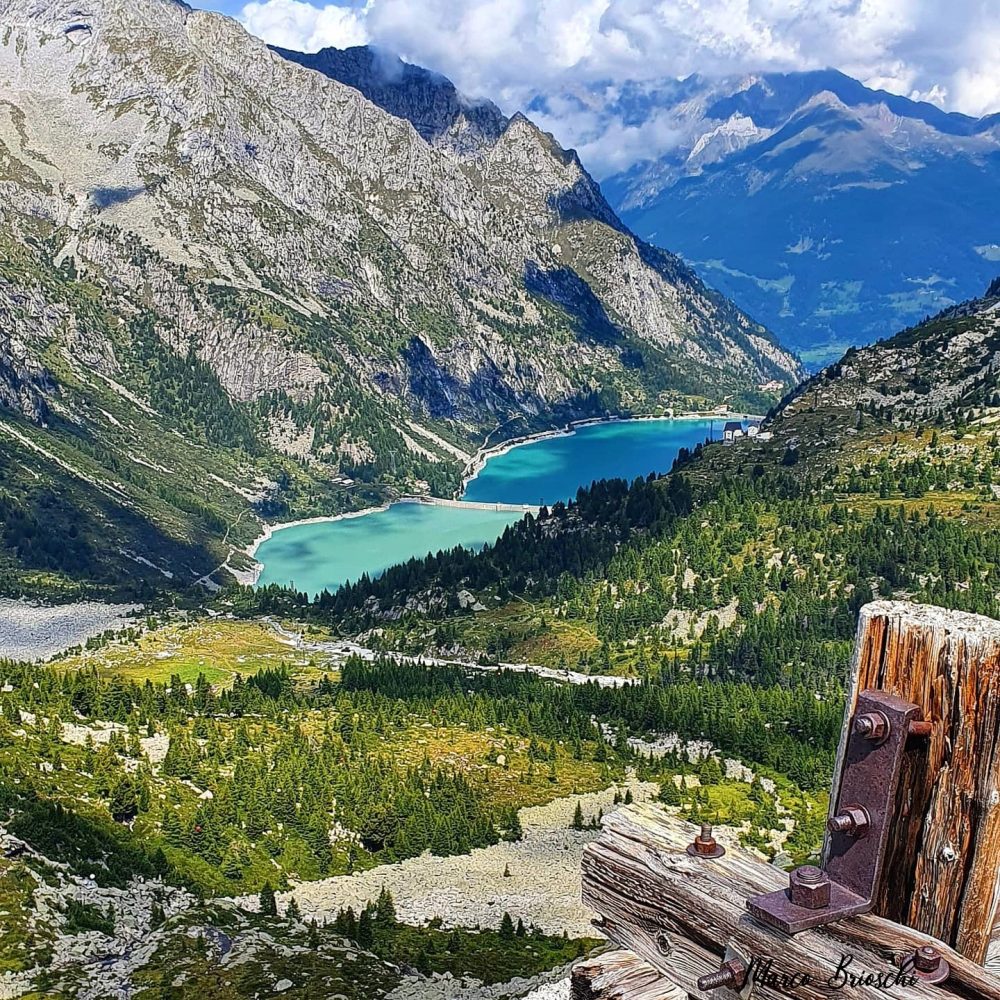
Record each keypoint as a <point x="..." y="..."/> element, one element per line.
<point x="942" y="873"/>
<point x="620" y="975"/>
<point x="679" y="914"/>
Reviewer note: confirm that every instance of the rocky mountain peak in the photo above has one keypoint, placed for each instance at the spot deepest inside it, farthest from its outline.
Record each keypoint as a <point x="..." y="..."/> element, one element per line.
<point x="430" y="102"/>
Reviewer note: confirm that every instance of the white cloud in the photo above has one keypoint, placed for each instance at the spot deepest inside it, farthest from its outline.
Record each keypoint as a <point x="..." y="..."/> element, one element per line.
<point x="515" y="50"/>
<point x="294" y="24"/>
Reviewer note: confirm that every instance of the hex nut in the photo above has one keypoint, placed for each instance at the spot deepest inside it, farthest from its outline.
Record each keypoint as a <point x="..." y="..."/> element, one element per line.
<point x="852" y="820"/>
<point x="809" y="887"/>
<point x="873" y="726"/>
<point x="732" y="973"/>
<point x="928" y="964"/>
<point x="705" y="845"/>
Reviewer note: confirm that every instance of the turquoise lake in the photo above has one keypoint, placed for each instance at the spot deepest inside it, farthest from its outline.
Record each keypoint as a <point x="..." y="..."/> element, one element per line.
<point x="327" y="554"/>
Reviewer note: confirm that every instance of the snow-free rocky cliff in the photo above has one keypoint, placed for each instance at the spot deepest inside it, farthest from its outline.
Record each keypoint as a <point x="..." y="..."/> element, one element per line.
<point x="329" y="272"/>
<point x="941" y="376"/>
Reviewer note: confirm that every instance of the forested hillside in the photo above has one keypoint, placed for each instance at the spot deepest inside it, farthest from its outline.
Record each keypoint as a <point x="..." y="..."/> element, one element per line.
<point x="877" y="477"/>
<point x="137" y="799"/>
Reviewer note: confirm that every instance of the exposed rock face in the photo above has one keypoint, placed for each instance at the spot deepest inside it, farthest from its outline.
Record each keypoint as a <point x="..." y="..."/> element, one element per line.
<point x="947" y="363"/>
<point x="193" y="139"/>
<point x="430" y="102"/>
<point x="23" y="379"/>
<point x="323" y="268"/>
<point x="943" y="373"/>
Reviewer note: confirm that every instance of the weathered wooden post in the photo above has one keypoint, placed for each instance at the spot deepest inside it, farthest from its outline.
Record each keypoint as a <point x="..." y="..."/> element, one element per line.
<point x="942" y="873"/>
<point x="619" y="975"/>
<point x="909" y="893"/>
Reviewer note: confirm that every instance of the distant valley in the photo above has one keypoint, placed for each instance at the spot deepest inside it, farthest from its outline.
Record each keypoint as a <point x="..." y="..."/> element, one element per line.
<point x="832" y="213"/>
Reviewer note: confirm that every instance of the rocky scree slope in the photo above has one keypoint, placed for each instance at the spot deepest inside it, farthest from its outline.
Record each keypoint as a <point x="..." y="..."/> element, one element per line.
<point x="885" y="403"/>
<point x="230" y="280"/>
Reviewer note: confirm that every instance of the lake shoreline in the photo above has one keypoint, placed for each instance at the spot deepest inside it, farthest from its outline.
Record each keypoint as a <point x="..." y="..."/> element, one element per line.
<point x="472" y="469"/>
<point x="484" y="454"/>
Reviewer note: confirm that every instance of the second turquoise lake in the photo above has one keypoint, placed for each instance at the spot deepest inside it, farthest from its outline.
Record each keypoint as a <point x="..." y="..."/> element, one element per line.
<point x="326" y="554"/>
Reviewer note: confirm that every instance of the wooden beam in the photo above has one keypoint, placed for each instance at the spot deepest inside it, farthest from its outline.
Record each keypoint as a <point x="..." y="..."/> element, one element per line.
<point x="942" y="874"/>
<point x="680" y="913"/>
<point x="619" y="975"/>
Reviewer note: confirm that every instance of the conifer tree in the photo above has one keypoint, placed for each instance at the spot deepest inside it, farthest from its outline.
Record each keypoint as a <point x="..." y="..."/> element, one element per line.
<point x="268" y="904"/>
<point x="385" y="908"/>
<point x="365" y="936"/>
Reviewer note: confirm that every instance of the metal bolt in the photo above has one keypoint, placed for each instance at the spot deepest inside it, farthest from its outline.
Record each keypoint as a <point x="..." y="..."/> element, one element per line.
<point x="809" y="887"/>
<point x="873" y="726"/>
<point x="853" y="820"/>
<point x="732" y="972"/>
<point x="705" y="845"/>
<point x="928" y="965"/>
<point x="920" y="728"/>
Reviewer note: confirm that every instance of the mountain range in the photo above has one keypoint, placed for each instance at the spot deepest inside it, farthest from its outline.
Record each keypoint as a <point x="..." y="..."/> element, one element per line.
<point x="233" y="284"/>
<point x="833" y="213"/>
<point x="826" y="209"/>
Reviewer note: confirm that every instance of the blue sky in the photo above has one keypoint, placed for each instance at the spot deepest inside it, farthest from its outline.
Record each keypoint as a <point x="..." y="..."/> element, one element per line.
<point x="226" y="7"/>
<point x="511" y="51"/>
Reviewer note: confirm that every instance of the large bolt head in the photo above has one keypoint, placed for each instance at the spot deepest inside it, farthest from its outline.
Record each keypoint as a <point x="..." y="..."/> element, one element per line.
<point x="809" y="887"/>
<point x="928" y="964"/>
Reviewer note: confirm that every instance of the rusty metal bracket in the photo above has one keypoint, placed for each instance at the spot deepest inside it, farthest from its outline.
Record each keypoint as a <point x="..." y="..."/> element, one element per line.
<point x="858" y="830"/>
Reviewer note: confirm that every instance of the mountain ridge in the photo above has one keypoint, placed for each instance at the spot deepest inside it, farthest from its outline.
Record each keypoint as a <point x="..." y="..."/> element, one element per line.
<point x="211" y="245"/>
<point x="783" y="189"/>
<point x="430" y="101"/>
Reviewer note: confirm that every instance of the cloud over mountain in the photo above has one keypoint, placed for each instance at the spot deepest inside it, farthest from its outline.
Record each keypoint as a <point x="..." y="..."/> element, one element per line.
<point x="514" y="50"/>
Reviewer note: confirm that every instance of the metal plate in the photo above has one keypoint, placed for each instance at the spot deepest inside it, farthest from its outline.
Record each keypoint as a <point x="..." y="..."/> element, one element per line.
<point x="854" y="863"/>
<point x="870" y="779"/>
<point x="778" y="910"/>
